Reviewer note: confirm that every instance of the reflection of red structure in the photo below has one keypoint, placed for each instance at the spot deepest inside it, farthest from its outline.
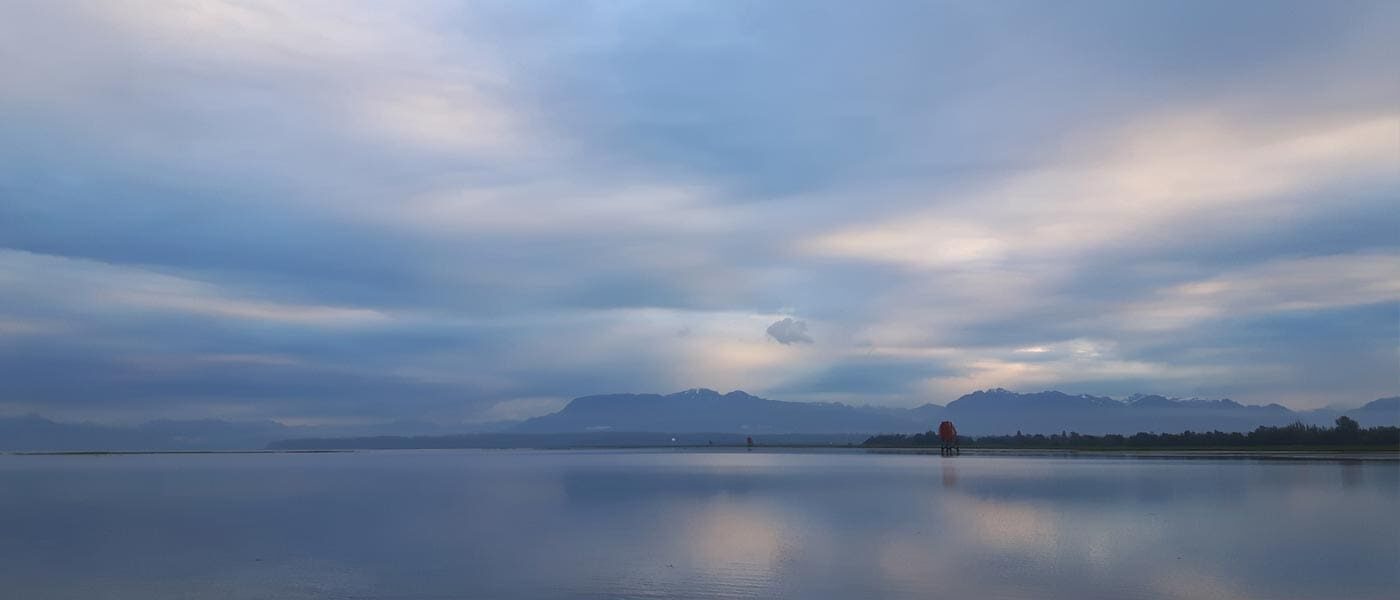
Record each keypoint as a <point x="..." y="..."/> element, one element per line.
<point x="948" y="434"/>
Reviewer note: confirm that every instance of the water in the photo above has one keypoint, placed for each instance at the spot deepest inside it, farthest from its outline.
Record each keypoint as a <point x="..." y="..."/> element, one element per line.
<point x="663" y="524"/>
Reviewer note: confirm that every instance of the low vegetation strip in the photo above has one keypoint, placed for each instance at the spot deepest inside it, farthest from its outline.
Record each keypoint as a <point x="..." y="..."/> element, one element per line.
<point x="1346" y="435"/>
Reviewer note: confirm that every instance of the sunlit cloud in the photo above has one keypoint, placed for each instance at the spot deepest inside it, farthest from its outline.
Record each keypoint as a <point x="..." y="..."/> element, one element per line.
<point x="96" y="286"/>
<point x="1163" y="174"/>
<point x="1316" y="283"/>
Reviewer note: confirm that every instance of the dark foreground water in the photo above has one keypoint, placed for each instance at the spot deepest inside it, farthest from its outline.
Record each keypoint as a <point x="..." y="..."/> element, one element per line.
<point x="664" y="524"/>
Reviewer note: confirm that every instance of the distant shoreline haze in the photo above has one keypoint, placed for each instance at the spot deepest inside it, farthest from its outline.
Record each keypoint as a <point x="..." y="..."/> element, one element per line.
<point x="702" y="416"/>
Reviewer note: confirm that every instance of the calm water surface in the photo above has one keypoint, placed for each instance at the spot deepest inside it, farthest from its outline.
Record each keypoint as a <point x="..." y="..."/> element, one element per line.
<point x="664" y="524"/>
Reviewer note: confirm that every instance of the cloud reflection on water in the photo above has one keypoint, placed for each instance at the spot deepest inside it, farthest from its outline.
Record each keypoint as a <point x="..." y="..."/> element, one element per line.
<point x="545" y="525"/>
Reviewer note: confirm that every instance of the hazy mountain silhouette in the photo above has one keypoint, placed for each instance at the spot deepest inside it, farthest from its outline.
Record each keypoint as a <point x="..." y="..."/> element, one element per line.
<point x="1000" y="411"/>
<point x="1381" y="408"/>
<point x="986" y="412"/>
<point x="702" y="410"/>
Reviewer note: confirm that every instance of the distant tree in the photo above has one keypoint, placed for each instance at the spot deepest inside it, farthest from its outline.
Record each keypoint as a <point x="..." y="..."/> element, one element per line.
<point x="1347" y="424"/>
<point x="1348" y="431"/>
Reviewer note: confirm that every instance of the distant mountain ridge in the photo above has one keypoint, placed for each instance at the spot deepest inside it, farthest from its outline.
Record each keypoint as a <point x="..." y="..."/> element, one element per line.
<point x="1000" y="411"/>
<point x="984" y="412"/>
<point x="705" y="410"/>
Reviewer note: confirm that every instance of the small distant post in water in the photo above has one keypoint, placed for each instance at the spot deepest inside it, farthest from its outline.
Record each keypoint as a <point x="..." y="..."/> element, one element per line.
<point x="750" y="443"/>
<point x="948" y="439"/>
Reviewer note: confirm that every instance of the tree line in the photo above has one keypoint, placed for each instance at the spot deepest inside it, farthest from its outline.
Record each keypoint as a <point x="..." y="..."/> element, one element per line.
<point x="1346" y="432"/>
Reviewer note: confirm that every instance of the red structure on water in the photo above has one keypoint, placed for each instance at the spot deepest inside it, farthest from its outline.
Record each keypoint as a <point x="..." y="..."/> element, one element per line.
<point x="948" y="438"/>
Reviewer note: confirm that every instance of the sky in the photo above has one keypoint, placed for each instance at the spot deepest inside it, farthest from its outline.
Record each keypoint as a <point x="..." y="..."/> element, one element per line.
<point x="463" y="212"/>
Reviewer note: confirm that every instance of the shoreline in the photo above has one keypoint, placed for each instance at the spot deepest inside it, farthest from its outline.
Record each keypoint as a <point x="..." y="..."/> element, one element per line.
<point x="138" y="452"/>
<point x="1291" y="453"/>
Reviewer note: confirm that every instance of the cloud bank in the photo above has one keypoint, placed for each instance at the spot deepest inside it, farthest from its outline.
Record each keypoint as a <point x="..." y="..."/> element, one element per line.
<point x="334" y="211"/>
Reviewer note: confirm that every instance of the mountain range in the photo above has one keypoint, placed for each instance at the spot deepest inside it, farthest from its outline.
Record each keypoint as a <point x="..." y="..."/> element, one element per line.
<point x="703" y="410"/>
<point x="606" y="417"/>
<point x="987" y="412"/>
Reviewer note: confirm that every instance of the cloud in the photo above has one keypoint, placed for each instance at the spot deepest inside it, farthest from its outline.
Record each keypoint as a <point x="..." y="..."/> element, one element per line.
<point x="338" y="210"/>
<point x="1307" y="284"/>
<point x="1161" y="174"/>
<point x="867" y="377"/>
<point x="789" y="331"/>
<point x="89" y="285"/>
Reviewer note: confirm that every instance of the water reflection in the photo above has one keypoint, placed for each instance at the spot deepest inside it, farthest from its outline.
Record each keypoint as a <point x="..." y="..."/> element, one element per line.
<point x="1353" y="475"/>
<point x="950" y="473"/>
<point x="693" y="525"/>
